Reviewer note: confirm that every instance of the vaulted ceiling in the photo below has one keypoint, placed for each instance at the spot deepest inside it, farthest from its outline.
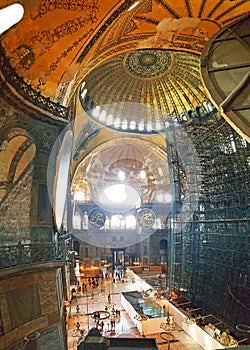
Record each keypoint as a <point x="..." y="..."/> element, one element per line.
<point x="128" y="53"/>
<point x="60" y="41"/>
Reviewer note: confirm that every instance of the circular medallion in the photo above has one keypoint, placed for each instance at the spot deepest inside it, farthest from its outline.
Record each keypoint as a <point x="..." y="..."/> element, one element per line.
<point x="146" y="217"/>
<point x="96" y="217"/>
<point x="148" y="63"/>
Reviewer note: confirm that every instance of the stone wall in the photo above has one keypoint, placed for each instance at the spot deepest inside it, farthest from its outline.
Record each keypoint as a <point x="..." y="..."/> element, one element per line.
<point x="15" y="211"/>
<point x="32" y="308"/>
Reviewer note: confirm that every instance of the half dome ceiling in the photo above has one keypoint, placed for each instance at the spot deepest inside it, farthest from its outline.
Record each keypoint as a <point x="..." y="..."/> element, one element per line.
<point x="137" y="91"/>
<point x="58" y="44"/>
<point x="131" y="157"/>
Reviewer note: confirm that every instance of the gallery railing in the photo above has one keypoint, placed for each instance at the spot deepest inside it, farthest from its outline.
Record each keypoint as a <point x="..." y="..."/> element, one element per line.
<point x="27" y="92"/>
<point x="30" y="253"/>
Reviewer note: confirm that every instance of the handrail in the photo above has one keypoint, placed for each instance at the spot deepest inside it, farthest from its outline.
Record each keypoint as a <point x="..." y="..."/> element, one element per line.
<point x="27" y="92"/>
<point x="30" y="253"/>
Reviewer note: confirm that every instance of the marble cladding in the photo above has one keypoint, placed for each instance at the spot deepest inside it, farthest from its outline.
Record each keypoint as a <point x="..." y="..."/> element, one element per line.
<point x="48" y="297"/>
<point x="29" y="303"/>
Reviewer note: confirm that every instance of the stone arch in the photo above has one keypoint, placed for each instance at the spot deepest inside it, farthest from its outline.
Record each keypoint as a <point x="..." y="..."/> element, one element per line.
<point x="17" y="153"/>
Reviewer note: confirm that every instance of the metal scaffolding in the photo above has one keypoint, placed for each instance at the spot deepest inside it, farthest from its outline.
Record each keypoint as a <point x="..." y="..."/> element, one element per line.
<point x="209" y="237"/>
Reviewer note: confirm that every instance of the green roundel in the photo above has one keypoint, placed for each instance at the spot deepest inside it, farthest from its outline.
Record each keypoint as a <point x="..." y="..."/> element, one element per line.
<point x="146" y="217"/>
<point x="96" y="217"/>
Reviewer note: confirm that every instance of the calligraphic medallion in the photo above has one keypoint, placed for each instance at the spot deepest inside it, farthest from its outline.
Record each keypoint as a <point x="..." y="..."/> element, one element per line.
<point x="146" y="217"/>
<point x="96" y="217"/>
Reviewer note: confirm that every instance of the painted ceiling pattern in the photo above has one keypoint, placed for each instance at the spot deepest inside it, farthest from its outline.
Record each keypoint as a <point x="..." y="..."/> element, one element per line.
<point x="49" y="45"/>
<point x="143" y="88"/>
<point x="61" y="43"/>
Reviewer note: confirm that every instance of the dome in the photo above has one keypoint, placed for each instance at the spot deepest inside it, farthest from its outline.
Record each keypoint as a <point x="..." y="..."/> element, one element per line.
<point x="137" y="91"/>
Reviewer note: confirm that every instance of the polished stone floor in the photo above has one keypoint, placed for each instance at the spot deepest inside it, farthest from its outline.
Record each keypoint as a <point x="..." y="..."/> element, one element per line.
<point x="80" y="317"/>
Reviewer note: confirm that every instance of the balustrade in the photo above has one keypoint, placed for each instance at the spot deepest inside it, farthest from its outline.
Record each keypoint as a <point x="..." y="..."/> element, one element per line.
<point x="30" y="253"/>
<point x="27" y="92"/>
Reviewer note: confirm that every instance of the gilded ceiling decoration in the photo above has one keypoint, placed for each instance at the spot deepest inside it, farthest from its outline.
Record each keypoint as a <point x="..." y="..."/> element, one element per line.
<point x="140" y="65"/>
<point x="147" y="63"/>
<point x="184" y="26"/>
<point x="140" y="90"/>
<point x="55" y="38"/>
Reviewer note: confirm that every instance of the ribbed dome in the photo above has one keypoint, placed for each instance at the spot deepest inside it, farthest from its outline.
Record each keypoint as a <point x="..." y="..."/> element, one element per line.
<point x="137" y="91"/>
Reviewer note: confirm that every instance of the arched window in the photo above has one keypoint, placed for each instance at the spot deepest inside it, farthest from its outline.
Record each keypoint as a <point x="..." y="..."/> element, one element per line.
<point x="82" y="192"/>
<point x="130" y="222"/>
<point x="117" y="222"/>
<point x="77" y="221"/>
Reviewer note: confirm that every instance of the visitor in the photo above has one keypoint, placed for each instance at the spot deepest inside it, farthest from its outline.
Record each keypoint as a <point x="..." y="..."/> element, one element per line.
<point x="101" y="326"/>
<point x="81" y="336"/>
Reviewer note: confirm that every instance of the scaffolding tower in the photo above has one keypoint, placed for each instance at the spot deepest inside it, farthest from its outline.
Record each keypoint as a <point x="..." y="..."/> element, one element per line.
<point x="209" y="222"/>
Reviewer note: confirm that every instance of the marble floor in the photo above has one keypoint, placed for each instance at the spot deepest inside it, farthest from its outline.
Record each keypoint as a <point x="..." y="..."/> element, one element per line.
<point x="82" y="306"/>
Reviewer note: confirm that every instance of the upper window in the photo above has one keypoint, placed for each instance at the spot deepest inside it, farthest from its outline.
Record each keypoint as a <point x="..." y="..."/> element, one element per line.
<point x="10" y="15"/>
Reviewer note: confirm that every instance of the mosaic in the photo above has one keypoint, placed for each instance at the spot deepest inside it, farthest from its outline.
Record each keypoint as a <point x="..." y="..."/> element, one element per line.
<point x="148" y="63"/>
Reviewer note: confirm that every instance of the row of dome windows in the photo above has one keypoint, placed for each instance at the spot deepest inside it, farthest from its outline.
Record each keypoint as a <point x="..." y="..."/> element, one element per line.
<point x="148" y="126"/>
